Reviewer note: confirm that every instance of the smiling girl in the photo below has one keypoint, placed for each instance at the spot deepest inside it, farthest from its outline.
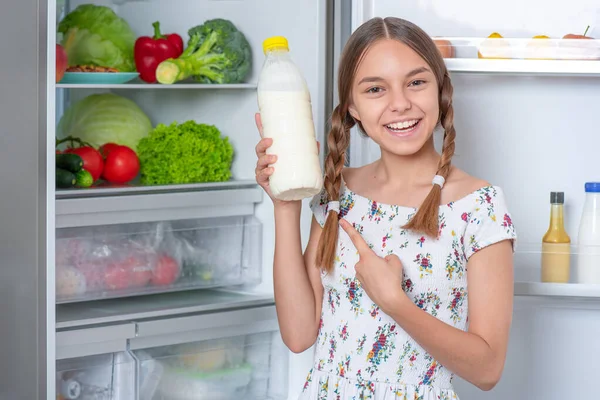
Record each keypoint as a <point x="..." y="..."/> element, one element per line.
<point x="402" y="252"/>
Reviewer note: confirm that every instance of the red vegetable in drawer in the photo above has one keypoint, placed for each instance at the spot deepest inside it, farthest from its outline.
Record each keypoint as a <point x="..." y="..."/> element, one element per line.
<point x="166" y="271"/>
<point x="151" y="51"/>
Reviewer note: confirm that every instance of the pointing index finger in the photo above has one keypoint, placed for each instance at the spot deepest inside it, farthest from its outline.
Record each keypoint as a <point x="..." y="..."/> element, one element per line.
<point x="358" y="241"/>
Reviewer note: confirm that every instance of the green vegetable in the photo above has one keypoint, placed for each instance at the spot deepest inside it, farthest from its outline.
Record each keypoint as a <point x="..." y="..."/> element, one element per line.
<point x="184" y="153"/>
<point x="84" y="178"/>
<point x="95" y="35"/>
<point x="105" y="118"/>
<point x="217" y="52"/>
<point x="65" y="179"/>
<point x="70" y="162"/>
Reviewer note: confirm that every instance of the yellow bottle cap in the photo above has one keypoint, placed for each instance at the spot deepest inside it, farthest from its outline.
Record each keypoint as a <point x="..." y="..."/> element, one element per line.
<point x="274" y="43"/>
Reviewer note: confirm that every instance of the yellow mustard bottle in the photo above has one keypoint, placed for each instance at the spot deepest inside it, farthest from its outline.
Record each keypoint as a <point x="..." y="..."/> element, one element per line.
<point x="556" y="244"/>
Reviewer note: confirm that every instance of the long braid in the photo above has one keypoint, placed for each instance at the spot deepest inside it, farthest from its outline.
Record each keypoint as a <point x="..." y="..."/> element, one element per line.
<point x="338" y="141"/>
<point x="426" y="220"/>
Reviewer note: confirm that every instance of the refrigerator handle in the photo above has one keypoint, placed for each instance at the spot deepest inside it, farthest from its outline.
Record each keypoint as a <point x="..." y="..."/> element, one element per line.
<point x="93" y="341"/>
<point x="172" y="331"/>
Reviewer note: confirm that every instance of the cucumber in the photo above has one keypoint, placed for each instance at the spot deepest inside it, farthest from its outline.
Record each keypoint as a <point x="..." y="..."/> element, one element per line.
<point x="69" y="161"/>
<point x="84" y="179"/>
<point x="65" y="179"/>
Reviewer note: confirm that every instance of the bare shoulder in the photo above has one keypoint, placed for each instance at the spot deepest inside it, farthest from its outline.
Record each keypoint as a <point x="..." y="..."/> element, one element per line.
<point x="354" y="177"/>
<point x="460" y="184"/>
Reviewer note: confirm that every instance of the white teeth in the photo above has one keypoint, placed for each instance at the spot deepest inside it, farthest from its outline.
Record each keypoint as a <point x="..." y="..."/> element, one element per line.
<point x="403" y="125"/>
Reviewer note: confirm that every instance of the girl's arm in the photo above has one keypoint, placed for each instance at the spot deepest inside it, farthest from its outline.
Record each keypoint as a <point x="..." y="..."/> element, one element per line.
<point x="477" y="355"/>
<point x="297" y="281"/>
<point x="298" y="289"/>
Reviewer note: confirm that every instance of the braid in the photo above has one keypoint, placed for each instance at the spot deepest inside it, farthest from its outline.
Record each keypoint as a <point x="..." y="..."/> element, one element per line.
<point x="426" y="220"/>
<point x="338" y="141"/>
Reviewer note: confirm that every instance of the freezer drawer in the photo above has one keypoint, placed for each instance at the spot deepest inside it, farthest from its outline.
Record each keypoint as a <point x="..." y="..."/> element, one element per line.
<point x="99" y="377"/>
<point x="228" y="368"/>
<point x="142" y="258"/>
<point x="230" y="355"/>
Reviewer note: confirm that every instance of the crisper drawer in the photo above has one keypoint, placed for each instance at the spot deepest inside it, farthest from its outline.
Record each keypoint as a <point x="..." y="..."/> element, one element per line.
<point x="230" y="355"/>
<point x="228" y="368"/>
<point x="98" y="377"/>
<point x="142" y="258"/>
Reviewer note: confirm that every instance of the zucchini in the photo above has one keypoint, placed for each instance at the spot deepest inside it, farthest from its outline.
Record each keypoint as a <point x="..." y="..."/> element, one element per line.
<point x="65" y="179"/>
<point x="69" y="161"/>
<point x="84" y="179"/>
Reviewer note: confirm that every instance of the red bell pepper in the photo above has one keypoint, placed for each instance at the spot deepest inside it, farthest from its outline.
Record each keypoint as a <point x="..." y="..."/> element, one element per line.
<point x="151" y="51"/>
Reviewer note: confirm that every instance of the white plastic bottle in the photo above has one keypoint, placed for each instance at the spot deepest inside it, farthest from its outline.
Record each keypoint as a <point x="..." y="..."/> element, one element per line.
<point x="588" y="241"/>
<point x="286" y="113"/>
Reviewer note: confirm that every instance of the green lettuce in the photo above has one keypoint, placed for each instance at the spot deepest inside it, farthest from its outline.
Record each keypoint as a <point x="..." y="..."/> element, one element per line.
<point x="184" y="153"/>
<point x="95" y="35"/>
<point x="105" y="118"/>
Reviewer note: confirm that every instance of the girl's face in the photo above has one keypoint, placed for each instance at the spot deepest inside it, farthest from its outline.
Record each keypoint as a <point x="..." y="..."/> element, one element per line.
<point x="395" y="97"/>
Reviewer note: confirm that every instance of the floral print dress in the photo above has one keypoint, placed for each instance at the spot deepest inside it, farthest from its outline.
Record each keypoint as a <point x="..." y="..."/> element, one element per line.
<point x="362" y="353"/>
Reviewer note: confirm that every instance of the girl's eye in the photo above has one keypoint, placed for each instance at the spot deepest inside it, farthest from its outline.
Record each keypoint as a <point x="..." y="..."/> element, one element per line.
<point x="374" y="90"/>
<point x="417" y="82"/>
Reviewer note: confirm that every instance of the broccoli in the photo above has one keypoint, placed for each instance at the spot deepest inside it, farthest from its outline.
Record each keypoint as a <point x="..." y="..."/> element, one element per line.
<point x="217" y="52"/>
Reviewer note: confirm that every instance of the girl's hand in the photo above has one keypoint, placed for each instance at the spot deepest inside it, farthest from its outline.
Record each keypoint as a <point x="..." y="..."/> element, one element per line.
<point x="381" y="278"/>
<point x="263" y="169"/>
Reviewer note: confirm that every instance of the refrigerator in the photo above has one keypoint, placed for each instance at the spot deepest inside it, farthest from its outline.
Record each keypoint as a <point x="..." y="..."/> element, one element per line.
<point x="524" y="124"/>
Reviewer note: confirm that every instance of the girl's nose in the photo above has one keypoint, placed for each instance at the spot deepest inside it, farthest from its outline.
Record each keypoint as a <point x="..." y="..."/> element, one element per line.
<point x="399" y="102"/>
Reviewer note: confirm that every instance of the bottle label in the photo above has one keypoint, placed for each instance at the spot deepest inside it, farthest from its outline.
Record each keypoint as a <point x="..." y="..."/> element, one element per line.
<point x="556" y="261"/>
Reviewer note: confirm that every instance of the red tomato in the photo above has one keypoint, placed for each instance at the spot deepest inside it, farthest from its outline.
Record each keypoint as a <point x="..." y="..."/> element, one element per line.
<point x="116" y="277"/>
<point x="121" y="165"/>
<point x="107" y="148"/>
<point x="92" y="160"/>
<point x="166" y="271"/>
<point x="140" y="272"/>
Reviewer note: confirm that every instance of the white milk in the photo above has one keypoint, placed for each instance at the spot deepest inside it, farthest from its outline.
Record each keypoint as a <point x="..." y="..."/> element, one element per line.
<point x="286" y="114"/>
<point x="588" y="248"/>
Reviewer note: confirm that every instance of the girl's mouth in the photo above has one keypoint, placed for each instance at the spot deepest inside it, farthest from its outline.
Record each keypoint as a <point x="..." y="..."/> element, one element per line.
<point x="403" y="128"/>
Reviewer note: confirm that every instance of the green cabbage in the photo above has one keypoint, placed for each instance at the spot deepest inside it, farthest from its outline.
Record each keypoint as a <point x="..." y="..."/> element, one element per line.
<point x="95" y="35"/>
<point x="105" y="118"/>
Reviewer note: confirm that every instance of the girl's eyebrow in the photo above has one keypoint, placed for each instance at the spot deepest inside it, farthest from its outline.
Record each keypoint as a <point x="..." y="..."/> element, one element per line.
<point x="416" y="71"/>
<point x="370" y="79"/>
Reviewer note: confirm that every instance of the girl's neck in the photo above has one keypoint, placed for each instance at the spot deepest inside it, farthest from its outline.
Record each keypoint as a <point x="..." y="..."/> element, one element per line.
<point x="408" y="171"/>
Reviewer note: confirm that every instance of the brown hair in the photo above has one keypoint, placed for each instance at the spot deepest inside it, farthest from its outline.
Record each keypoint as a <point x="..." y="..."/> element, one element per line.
<point x="426" y="219"/>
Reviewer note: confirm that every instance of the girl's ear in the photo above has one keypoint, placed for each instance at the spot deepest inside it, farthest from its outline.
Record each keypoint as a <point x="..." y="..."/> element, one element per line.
<point x="353" y="112"/>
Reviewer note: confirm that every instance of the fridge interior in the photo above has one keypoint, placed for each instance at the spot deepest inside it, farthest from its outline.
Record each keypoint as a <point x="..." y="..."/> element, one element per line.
<point x="241" y="356"/>
<point x="525" y="119"/>
<point x="151" y="279"/>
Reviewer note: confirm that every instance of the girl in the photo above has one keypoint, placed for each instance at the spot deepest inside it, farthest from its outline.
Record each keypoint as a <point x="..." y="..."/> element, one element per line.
<point x="403" y="251"/>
